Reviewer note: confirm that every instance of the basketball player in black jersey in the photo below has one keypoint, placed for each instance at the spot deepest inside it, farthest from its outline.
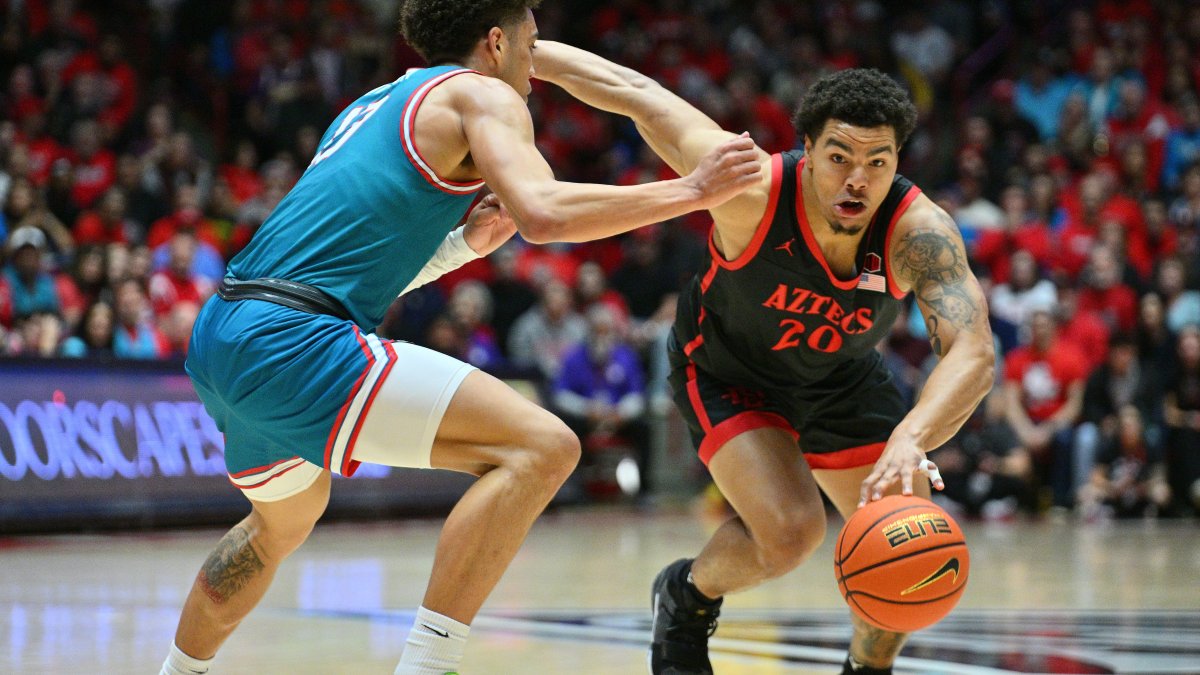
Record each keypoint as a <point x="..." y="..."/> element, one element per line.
<point x="773" y="352"/>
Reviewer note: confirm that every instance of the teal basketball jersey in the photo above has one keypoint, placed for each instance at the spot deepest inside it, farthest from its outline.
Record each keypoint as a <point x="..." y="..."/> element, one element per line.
<point x="369" y="212"/>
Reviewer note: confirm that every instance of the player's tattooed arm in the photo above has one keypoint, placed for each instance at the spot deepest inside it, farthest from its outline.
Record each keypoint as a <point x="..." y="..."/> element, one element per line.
<point x="931" y="257"/>
<point x="230" y="567"/>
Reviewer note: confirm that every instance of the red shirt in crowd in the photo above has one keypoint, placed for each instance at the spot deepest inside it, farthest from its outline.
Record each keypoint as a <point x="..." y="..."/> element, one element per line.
<point x="1117" y="306"/>
<point x="42" y="153"/>
<point x="91" y="229"/>
<point x="1163" y="244"/>
<point x="186" y="219"/>
<point x="1075" y="245"/>
<point x="168" y="289"/>
<point x="994" y="249"/>
<point x="120" y="82"/>
<point x="244" y="183"/>
<point x="534" y="261"/>
<point x="1045" y="378"/>
<point x="1079" y="235"/>
<point x="71" y="301"/>
<point x="93" y="177"/>
<point x="1150" y="125"/>
<point x="1087" y="331"/>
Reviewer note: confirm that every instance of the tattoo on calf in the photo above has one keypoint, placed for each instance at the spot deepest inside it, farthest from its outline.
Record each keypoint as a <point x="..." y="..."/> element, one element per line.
<point x="230" y="567"/>
<point x="937" y="267"/>
<point x="873" y="646"/>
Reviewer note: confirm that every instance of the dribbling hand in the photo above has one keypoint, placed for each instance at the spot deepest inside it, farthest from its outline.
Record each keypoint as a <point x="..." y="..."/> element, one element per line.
<point x="900" y="461"/>
<point x="488" y="226"/>
<point x="726" y="171"/>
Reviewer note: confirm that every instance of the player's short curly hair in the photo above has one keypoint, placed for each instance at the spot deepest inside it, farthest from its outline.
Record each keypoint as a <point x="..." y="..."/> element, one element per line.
<point x="447" y="30"/>
<point x="864" y="97"/>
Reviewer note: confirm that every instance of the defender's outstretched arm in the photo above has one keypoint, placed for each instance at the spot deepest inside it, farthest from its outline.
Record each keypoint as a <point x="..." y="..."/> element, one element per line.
<point x="499" y="131"/>
<point x="676" y="130"/>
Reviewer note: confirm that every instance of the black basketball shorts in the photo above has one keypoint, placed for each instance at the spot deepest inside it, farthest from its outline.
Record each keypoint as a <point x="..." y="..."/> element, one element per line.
<point x="841" y="427"/>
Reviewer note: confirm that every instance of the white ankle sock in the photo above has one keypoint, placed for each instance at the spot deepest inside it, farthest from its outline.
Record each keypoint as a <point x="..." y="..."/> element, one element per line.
<point x="435" y="645"/>
<point x="178" y="663"/>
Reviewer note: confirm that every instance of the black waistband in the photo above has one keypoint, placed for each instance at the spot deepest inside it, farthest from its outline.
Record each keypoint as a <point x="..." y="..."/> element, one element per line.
<point x="298" y="296"/>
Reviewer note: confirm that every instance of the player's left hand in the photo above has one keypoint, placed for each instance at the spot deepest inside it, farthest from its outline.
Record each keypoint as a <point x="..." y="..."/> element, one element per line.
<point x="488" y="226"/>
<point x="900" y="460"/>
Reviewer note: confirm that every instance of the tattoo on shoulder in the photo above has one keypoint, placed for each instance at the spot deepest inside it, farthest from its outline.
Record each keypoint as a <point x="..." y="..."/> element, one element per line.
<point x="926" y="255"/>
<point x="936" y="265"/>
<point x="230" y="567"/>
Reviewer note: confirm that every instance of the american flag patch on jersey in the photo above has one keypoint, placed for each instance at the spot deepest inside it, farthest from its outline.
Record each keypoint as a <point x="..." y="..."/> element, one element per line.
<point x="873" y="282"/>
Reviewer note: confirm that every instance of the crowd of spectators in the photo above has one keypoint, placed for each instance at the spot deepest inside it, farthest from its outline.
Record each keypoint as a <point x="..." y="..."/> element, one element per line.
<point x="142" y="142"/>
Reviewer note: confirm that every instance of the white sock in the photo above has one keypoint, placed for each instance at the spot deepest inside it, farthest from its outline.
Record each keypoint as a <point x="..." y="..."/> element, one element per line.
<point x="435" y="645"/>
<point x="178" y="663"/>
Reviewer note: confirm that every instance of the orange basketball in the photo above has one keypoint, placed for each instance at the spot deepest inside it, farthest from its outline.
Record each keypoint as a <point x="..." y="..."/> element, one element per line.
<point x="901" y="563"/>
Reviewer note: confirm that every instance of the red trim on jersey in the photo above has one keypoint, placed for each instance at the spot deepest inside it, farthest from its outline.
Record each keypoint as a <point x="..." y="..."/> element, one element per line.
<point x="268" y="480"/>
<point x="906" y="202"/>
<point x="260" y="469"/>
<point x="739" y="424"/>
<point x="849" y="458"/>
<point x="764" y="225"/>
<point x="697" y="402"/>
<point x="810" y="239"/>
<point x="709" y="276"/>
<point x="698" y="340"/>
<point x="704" y="284"/>
<point x="408" y="133"/>
<point x="349" y="466"/>
<point x="337" y="424"/>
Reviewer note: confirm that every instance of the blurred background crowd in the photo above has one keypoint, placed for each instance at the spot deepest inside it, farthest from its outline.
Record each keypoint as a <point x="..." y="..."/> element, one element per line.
<point x="142" y="142"/>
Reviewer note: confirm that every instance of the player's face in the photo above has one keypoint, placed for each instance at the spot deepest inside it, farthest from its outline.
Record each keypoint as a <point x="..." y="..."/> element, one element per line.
<point x="517" y="67"/>
<point x="851" y="169"/>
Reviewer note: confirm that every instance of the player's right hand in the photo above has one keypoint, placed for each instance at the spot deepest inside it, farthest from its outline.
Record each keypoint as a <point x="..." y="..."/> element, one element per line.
<point x="726" y="171"/>
<point x="489" y="225"/>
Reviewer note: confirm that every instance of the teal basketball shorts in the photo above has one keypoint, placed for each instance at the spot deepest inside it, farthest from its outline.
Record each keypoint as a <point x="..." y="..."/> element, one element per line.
<point x="297" y="394"/>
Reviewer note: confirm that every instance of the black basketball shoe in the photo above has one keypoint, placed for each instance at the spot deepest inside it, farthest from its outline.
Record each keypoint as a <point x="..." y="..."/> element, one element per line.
<point x="683" y="622"/>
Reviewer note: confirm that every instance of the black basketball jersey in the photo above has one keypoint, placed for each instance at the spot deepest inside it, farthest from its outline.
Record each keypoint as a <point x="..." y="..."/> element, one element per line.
<point x="776" y="315"/>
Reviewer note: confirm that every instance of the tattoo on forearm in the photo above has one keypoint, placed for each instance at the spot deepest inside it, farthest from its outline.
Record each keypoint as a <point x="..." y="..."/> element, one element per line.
<point x="230" y="567"/>
<point x="937" y="268"/>
<point x="875" y="647"/>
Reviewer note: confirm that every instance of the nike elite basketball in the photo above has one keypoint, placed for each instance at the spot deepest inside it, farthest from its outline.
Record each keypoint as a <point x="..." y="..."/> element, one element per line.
<point x="901" y="563"/>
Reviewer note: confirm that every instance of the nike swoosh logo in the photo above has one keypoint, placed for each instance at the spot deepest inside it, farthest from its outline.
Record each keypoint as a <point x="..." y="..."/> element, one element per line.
<point x="951" y="566"/>
<point x="431" y="629"/>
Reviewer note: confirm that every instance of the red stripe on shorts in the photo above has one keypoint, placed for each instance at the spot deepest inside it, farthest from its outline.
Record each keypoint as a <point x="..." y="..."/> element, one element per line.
<point x="849" y="458"/>
<point x="349" y="466"/>
<point x="337" y="424"/>
<point x="268" y="480"/>
<point x="739" y="424"/>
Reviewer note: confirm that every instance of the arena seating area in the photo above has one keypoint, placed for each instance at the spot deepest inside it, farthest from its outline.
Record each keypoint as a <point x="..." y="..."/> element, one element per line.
<point x="142" y="143"/>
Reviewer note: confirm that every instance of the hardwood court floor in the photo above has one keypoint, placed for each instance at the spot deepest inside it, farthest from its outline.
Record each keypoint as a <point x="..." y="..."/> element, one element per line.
<point x="1042" y="597"/>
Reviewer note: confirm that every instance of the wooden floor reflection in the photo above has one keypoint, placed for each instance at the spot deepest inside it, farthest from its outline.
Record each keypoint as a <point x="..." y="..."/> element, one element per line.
<point x="1043" y="597"/>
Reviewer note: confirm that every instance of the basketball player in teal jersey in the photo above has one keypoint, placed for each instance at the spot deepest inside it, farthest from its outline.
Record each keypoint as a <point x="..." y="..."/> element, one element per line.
<point x="773" y="352"/>
<point x="285" y="361"/>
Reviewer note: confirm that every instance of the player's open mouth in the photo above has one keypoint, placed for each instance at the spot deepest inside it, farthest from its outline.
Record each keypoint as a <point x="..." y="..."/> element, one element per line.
<point x="849" y="208"/>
